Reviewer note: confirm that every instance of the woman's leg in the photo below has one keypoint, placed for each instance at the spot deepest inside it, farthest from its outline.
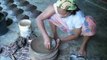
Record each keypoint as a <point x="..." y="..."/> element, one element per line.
<point x="83" y="47"/>
<point x="86" y="35"/>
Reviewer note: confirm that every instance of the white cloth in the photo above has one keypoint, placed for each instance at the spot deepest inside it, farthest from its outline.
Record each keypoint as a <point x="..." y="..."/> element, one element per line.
<point x="71" y="22"/>
<point x="74" y="21"/>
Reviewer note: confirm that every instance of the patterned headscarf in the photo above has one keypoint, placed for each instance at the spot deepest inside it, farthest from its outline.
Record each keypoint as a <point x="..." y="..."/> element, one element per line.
<point x="66" y="4"/>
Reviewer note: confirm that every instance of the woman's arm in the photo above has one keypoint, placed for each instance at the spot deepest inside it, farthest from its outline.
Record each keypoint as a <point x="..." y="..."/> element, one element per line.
<point x="77" y="32"/>
<point x="43" y="16"/>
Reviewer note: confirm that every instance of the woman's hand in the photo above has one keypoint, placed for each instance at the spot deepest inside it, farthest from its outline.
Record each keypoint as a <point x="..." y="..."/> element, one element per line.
<point x="58" y="41"/>
<point x="47" y="42"/>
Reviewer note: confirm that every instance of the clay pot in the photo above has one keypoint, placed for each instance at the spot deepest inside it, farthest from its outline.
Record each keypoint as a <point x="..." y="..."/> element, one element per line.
<point x="39" y="52"/>
<point x="1" y="50"/>
<point x="5" y="13"/>
<point x="17" y="11"/>
<point x="11" y="6"/>
<point x="9" y="21"/>
<point x="30" y="7"/>
<point x="20" y="17"/>
<point x="35" y="13"/>
<point x="3" y="27"/>
<point x="23" y="3"/>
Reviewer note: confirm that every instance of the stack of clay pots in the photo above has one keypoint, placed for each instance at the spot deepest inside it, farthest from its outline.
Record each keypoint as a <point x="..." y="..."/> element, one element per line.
<point x="19" y="9"/>
<point x="17" y="12"/>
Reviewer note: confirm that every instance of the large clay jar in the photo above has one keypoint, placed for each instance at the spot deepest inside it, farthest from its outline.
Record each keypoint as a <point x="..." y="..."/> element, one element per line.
<point x="39" y="52"/>
<point x="3" y="27"/>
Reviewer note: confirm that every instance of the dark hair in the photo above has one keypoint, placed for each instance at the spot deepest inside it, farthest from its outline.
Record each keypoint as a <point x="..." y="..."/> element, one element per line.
<point x="73" y="12"/>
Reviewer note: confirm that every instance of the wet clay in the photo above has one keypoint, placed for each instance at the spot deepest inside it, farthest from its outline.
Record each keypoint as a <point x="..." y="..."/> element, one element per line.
<point x="38" y="46"/>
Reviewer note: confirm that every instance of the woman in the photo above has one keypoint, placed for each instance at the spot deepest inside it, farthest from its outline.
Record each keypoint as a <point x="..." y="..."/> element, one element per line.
<point x="65" y="15"/>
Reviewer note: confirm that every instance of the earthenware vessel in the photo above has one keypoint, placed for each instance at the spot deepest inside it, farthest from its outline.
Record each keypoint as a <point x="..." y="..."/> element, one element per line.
<point x="39" y="52"/>
<point x="3" y="27"/>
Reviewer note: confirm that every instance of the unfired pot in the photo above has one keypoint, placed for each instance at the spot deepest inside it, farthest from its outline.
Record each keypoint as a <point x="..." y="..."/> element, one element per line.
<point x="39" y="52"/>
<point x="3" y="27"/>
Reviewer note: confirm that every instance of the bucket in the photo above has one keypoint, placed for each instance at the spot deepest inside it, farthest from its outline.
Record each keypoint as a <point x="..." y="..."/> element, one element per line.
<point x="25" y="28"/>
<point x="3" y="27"/>
<point x="39" y="52"/>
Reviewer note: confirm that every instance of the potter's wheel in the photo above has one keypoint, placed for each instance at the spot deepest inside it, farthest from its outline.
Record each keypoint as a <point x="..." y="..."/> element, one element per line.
<point x="38" y="46"/>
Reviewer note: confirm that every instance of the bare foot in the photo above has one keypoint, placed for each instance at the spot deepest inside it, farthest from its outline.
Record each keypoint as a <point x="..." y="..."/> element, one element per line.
<point x="82" y="52"/>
